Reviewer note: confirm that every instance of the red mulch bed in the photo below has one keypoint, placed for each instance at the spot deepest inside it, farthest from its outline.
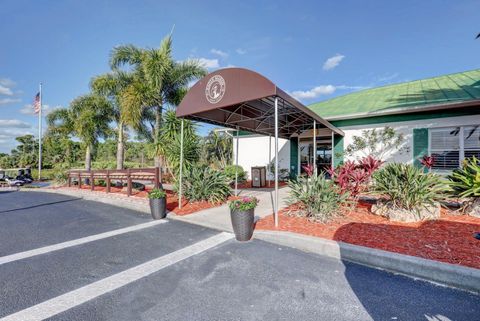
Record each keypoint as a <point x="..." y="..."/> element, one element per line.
<point x="172" y="200"/>
<point x="449" y="239"/>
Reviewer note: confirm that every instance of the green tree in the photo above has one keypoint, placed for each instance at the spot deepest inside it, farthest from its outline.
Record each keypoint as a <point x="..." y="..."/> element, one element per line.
<point x="159" y="81"/>
<point x="25" y="154"/>
<point x="217" y="149"/>
<point x="377" y="143"/>
<point x="88" y="118"/>
<point x="113" y="85"/>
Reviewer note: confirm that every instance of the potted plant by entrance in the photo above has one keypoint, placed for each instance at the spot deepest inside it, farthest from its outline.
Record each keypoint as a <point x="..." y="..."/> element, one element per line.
<point x="242" y="214"/>
<point x="158" y="203"/>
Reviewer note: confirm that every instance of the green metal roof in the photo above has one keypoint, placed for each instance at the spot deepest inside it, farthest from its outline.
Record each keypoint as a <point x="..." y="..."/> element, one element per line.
<point x="403" y="97"/>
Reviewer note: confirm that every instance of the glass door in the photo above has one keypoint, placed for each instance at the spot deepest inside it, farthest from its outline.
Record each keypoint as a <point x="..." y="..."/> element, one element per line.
<point x="323" y="154"/>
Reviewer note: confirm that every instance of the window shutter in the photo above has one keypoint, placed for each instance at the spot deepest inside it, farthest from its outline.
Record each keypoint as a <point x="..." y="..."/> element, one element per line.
<point x="293" y="157"/>
<point x="420" y="145"/>
<point x="338" y="150"/>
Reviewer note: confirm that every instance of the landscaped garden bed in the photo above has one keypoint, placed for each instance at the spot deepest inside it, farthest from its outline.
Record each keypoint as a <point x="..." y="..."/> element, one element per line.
<point x="448" y="239"/>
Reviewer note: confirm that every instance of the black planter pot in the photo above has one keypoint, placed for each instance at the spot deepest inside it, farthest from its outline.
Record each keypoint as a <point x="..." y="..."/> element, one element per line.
<point x="158" y="208"/>
<point x="242" y="223"/>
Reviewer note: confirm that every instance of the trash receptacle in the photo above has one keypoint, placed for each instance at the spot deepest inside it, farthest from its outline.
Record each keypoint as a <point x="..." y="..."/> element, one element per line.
<point x="259" y="174"/>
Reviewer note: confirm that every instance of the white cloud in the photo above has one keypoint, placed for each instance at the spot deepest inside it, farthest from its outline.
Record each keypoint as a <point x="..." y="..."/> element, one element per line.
<point x="241" y="51"/>
<point x="209" y="63"/>
<point x="7" y="82"/>
<point x="220" y="53"/>
<point x="5" y="91"/>
<point x="46" y="109"/>
<point x="6" y="101"/>
<point x="314" y="92"/>
<point x="322" y="90"/>
<point x="13" y="123"/>
<point x="333" y="62"/>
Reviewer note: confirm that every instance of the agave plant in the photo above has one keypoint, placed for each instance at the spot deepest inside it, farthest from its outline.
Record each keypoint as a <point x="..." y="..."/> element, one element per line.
<point x="465" y="182"/>
<point x="205" y="184"/>
<point x="317" y="198"/>
<point x="407" y="187"/>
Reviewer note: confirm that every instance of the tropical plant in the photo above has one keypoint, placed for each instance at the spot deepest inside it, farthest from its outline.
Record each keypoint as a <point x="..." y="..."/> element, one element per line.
<point x="407" y="187"/>
<point x="112" y="86"/>
<point x="205" y="184"/>
<point x="377" y="143"/>
<point x="169" y="144"/>
<point x="244" y="204"/>
<point x="465" y="181"/>
<point x="88" y="118"/>
<point x="309" y="169"/>
<point x="157" y="193"/>
<point x="230" y="170"/>
<point x="354" y="177"/>
<point x="159" y="80"/>
<point x="316" y="198"/>
<point x="217" y="149"/>
<point x="427" y="161"/>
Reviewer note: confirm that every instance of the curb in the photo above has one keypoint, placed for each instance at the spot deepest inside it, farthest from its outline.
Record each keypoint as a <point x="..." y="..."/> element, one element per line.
<point x="452" y="275"/>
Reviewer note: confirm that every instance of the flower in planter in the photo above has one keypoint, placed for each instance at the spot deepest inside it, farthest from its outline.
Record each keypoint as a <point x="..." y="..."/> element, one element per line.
<point x="243" y="204"/>
<point x="157" y="193"/>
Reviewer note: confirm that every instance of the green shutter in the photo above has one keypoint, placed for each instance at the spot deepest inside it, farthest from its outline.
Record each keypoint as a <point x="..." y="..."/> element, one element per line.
<point x="293" y="157"/>
<point x="420" y="145"/>
<point x="338" y="150"/>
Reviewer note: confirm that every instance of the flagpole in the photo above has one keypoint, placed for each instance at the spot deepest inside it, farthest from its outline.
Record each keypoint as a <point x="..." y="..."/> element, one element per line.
<point x="40" y="135"/>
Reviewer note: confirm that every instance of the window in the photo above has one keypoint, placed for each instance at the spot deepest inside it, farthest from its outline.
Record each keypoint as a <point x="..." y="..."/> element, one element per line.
<point x="451" y="145"/>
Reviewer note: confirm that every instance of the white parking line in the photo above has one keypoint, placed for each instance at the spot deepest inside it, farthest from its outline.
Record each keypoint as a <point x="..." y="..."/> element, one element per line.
<point x="83" y="240"/>
<point x="76" y="297"/>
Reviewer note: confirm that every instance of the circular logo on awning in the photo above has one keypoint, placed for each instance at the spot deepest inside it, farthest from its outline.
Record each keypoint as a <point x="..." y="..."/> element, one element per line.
<point x="215" y="89"/>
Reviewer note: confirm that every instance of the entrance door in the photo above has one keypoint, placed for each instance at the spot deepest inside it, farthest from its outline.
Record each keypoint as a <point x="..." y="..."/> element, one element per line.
<point x="323" y="154"/>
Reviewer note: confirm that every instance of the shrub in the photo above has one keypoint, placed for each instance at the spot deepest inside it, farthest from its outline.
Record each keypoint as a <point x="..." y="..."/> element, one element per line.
<point x="229" y="172"/>
<point x="354" y="177"/>
<point x="156" y="193"/>
<point x="317" y="198"/>
<point x="205" y="184"/>
<point x="465" y="182"/>
<point x="407" y="187"/>
<point x="243" y="204"/>
<point x="427" y="161"/>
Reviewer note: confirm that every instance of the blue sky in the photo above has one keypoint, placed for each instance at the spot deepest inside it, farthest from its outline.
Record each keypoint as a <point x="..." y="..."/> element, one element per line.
<point x="313" y="49"/>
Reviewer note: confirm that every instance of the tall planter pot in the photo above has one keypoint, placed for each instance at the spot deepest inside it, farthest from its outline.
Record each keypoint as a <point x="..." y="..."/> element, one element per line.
<point x="158" y="208"/>
<point x="242" y="223"/>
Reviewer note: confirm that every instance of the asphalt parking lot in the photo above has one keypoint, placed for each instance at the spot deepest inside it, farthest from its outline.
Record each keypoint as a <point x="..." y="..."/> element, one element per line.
<point x="63" y="258"/>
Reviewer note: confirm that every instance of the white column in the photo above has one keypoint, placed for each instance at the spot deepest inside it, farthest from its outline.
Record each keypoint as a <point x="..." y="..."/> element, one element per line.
<point x="236" y="166"/>
<point x="180" y="187"/>
<point x="315" y="147"/>
<point x="276" y="205"/>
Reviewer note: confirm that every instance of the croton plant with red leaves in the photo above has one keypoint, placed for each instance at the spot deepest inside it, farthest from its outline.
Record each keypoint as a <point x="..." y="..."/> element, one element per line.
<point x="309" y="169"/>
<point x="427" y="161"/>
<point x="353" y="177"/>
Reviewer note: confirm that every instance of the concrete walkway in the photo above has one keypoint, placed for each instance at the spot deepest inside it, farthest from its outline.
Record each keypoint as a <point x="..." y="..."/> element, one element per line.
<point x="219" y="217"/>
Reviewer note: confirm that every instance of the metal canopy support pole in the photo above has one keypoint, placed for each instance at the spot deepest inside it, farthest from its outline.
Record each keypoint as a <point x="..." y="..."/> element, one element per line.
<point x="333" y="151"/>
<point x="314" y="149"/>
<point x="236" y="165"/>
<point x="276" y="162"/>
<point x="269" y="157"/>
<point x="180" y="186"/>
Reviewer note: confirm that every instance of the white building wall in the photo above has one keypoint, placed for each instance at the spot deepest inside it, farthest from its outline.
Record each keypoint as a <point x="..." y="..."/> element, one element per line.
<point x="253" y="151"/>
<point x="406" y="128"/>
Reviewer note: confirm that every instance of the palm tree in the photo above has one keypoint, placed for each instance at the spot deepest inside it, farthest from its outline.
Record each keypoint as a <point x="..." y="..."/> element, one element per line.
<point x="112" y="85"/>
<point x="88" y="118"/>
<point x="159" y="81"/>
<point x="217" y="148"/>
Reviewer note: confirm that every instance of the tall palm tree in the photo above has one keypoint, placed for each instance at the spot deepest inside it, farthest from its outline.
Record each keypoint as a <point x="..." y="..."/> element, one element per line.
<point x="112" y="86"/>
<point x="87" y="118"/>
<point x="217" y="148"/>
<point x="160" y="81"/>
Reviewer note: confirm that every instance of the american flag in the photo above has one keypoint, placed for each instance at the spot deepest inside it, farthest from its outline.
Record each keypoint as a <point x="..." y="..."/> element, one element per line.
<point x="36" y="103"/>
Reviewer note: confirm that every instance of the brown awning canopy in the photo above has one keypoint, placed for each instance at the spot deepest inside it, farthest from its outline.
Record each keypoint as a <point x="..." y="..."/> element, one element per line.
<point x="243" y="99"/>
